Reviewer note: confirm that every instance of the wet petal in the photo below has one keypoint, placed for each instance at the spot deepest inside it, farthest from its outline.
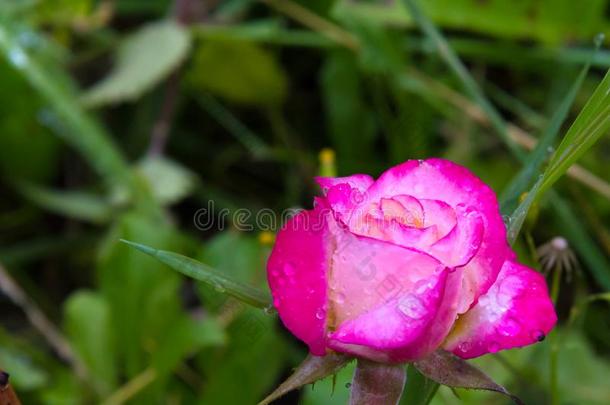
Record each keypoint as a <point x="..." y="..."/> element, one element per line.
<point x="360" y="182"/>
<point x="438" y="179"/>
<point x="296" y="272"/>
<point x="386" y="331"/>
<point x="460" y="245"/>
<point x="515" y="312"/>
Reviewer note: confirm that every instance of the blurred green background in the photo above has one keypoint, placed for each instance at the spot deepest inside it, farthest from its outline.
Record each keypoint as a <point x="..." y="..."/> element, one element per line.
<point x="126" y="118"/>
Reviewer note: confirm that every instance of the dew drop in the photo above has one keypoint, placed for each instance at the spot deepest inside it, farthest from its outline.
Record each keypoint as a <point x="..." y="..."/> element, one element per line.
<point x="538" y="335"/>
<point x="219" y="288"/>
<point x="320" y="313"/>
<point x="412" y="306"/>
<point x="510" y="328"/>
<point x="348" y="385"/>
<point x="421" y="286"/>
<point x="464" y="347"/>
<point x="493" y="347"/>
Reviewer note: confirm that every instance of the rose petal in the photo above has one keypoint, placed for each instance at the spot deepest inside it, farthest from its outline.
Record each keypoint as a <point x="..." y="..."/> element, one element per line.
<point x="360" y="182"/>
<point x="296" y="272"/>
<point x="393" y="325"/>
<point x="460" y="245"/>
<point x="404" y="209"/>
<point x="515" y="312"/>
<point x="367" y="272"/>
<point x="440" y="214"/>
<point x="438" y="179"/>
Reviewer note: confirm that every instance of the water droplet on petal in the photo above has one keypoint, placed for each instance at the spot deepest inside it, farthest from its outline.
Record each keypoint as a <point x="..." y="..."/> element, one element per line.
<point x="320" y="313"/>
<point x="420" y="287"/>
<point x="510" y="327"/>
<point x="464" y="347"/>
<point x="538" y="335"/>
<point x="412" y="306"/>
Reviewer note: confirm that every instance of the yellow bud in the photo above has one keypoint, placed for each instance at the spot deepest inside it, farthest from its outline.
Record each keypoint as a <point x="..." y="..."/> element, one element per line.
<point x="266" y="238"/>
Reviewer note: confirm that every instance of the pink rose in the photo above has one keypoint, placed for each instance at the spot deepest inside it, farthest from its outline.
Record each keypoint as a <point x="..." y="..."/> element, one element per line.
<point x="393" y="269"/>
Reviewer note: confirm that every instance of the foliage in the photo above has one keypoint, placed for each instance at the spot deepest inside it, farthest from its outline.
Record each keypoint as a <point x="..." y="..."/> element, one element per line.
<point x="124" y="120"/>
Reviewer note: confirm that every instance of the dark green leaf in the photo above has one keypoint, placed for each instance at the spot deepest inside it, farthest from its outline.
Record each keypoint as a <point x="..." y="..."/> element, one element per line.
<point x="199" y="271"/>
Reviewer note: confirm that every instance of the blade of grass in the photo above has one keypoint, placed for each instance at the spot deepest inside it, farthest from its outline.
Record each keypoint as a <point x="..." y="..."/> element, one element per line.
<point x="251" y="141"/>
<point x="82" y="132"/>
<point x="534" y="162"/>
<point x="470" y="85"/>
<point x="597" y="119"/>
<point x="591" y="124"/>
<point x="199" y="271"/>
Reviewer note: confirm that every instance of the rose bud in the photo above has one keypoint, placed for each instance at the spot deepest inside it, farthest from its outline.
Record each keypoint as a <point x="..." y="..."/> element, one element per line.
<point x="392" y="269"/>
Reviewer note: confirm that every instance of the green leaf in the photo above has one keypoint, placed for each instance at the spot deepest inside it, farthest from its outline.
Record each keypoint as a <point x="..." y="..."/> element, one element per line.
<point x="551" y="21"/>
<point x="169" y="181"/>
<point x="73" y="204"/>
<point x="88" y="325"/>
<point x="141" y="292"/>
<point x="312" y="369"/>
<point x="218" y="67"/>
<point x="144" y="59"/>
<point x="252" y="361"/>
<point x="447" y="369"/>
<point x="199" y="271"/>
<point x="185" y="337"/>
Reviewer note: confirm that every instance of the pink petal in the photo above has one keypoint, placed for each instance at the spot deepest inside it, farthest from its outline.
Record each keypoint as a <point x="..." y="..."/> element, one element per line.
<point x="367" y="272"/>
<point x="440" y="214"/>
<point x="296" y="272"/>
<point x="386" y="333"/>
<point x="438" y="179"/>
<point x="360" y="182"/>
<point x="460" y="245"/>
<point x="515" y="312"/>
<point x="397" y="233"/>
<point x="405" y="209"/>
